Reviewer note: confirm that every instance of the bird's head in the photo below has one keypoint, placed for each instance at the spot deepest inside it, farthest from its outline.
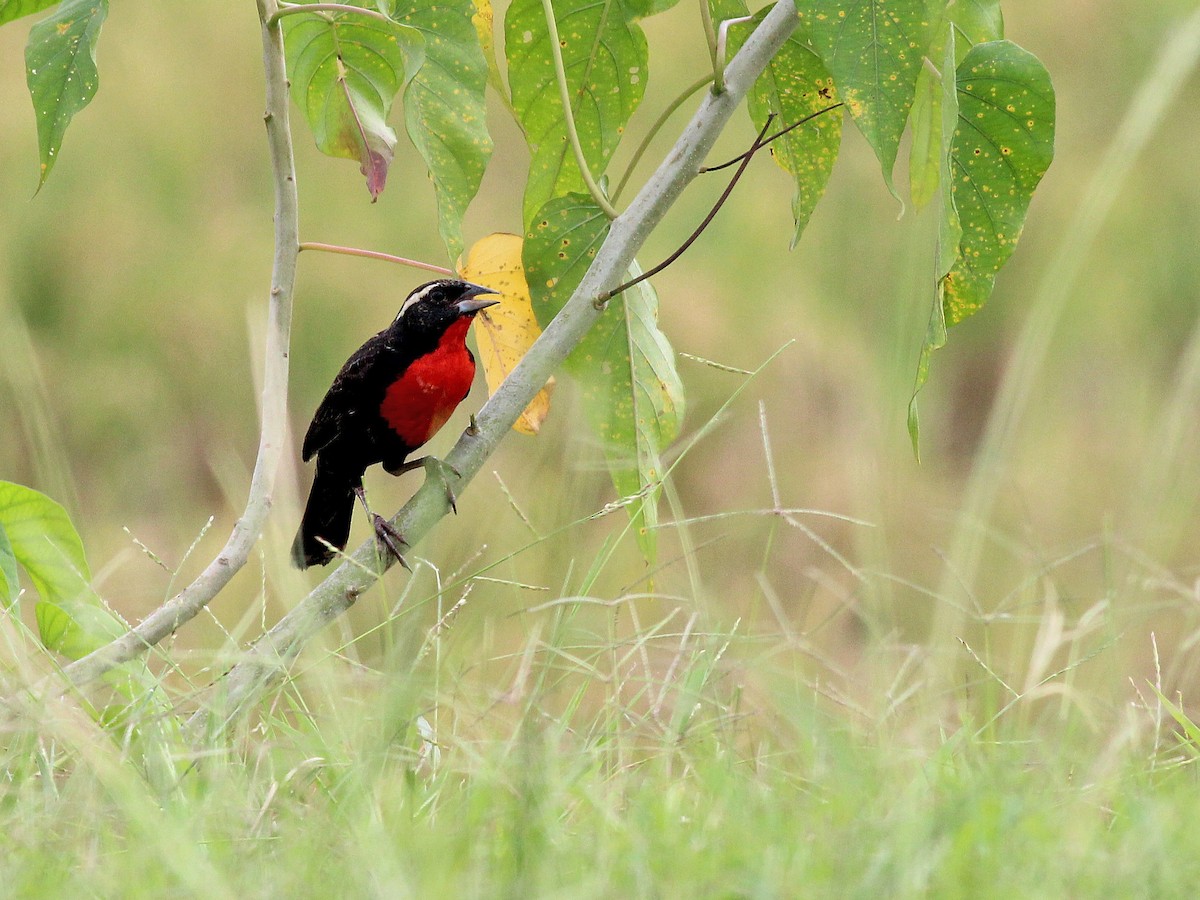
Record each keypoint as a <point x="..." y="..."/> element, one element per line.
<point x="434" y="307"/>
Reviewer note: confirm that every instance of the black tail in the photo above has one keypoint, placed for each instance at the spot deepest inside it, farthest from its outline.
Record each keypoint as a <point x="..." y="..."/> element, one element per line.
<point x="327" y="516"/>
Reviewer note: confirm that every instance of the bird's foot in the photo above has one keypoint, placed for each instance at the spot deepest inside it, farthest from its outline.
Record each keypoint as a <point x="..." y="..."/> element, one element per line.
<point x="434" y="467"/>
<point x="389" y="538"/>
<point x="438" y="468"/>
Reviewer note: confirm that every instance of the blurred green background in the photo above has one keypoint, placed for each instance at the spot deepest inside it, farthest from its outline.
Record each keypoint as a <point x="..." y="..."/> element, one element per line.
<point x="132" y="301"/>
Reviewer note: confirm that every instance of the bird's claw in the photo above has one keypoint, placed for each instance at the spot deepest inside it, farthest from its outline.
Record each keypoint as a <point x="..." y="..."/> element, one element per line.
<point x="432" y="463"/>
<point x="389" y="538"/>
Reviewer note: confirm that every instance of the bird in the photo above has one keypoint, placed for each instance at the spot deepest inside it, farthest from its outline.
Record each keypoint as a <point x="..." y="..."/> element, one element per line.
<point x="392" y="395"/>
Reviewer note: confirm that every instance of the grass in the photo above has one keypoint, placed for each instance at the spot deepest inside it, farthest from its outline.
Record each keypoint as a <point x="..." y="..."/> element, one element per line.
<point x="599" y="760"/>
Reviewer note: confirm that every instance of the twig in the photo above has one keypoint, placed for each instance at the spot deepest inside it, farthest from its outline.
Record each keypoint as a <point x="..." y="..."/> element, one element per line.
<point x="376" y="254"/>
<point x="267" y="660"/>
<point x="604" y="296"/>
<point x="191" y="600"/>
<point x="776" y="136"/>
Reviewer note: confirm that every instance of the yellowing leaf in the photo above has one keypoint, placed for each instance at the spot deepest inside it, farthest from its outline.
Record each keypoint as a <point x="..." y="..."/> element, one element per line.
<point x="505" y="332"/>
<point x="482" y="20"/>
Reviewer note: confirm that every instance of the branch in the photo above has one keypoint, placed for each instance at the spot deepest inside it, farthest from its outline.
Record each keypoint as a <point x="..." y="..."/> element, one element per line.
<point x="187" y="603"/>
<point x="375" y="254"/>
<point x="776" y="136"/>
<point x="758" y="144"/>
<point x="267" y="659"/>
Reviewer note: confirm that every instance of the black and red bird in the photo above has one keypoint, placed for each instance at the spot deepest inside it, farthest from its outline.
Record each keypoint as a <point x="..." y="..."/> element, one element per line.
<point x="390" y="397"/>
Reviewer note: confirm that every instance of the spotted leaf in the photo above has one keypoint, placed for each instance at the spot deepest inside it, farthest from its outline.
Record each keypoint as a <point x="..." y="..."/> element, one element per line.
<point x="444" y="109"/>
<point x="961" y="26"/>
<point x="794" y="86"/>
<point x="604" y="55"/>
<point x="874" y="48"/>
<point x="632" y="394"/>
<point x="1003" y="145"/>
<point x="60" y="69"/>
<point x="346" y="69"/>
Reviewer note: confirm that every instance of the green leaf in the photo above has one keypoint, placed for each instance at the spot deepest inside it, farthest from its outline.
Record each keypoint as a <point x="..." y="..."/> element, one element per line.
<point x="346" y="69"/>
<point x="962" y="25"/>
<point x="634" y="400"/>
<point x="976" y="22"/>
<point x="604" y="57"/>
<point x="9" y="585"/>
<point x="1003" y="145"/>
<point x="70" y="618"/>
<point x="15" y="9"/>
<point x="632" y="394"/>
<point x="796" y="85"/>
<point x="874" y="49"/>
<point x="558" y="249"/>
<point x="722" y="10"/>
<point x="949" y="227"/>
<point x="37" y="533"/>
<point x="444" y="108"/>
<point x="60" y="69"/>
<point x="643" y="8"/>
<point x="1190" y="739"/>
<point x="926" y="156"/>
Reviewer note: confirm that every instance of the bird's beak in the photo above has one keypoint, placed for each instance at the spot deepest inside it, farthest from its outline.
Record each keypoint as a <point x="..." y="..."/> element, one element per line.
<point x="469" y="305"/>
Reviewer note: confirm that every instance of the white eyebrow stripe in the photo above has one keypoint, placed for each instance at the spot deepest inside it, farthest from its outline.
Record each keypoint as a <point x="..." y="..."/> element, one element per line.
<point x="420" y="295"/>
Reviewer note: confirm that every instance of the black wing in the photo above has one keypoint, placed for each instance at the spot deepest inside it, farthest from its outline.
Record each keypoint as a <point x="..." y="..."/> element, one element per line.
<point x="349" y="397"/>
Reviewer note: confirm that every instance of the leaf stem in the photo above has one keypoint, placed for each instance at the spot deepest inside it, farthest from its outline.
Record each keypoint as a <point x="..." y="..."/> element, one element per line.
<point x="710" y="38"/>
<point x="758" y="144"/>
<point x="289" y="9"/>
<point x="721" y="41"/>
<point x="564" y="93"/>
<point x="375" y="254"/>
<point x="655" y="128"/>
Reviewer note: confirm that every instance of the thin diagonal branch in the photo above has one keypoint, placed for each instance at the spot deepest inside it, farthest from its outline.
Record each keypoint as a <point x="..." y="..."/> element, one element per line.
<point x="776" y="136"/>
<point x="246" y="532"/>
<point x="758" y="144"/>
<point x="267" y="660"/>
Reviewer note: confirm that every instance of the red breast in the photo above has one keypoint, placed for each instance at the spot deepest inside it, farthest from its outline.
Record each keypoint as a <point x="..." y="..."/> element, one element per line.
<point x="420" y="401"/>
